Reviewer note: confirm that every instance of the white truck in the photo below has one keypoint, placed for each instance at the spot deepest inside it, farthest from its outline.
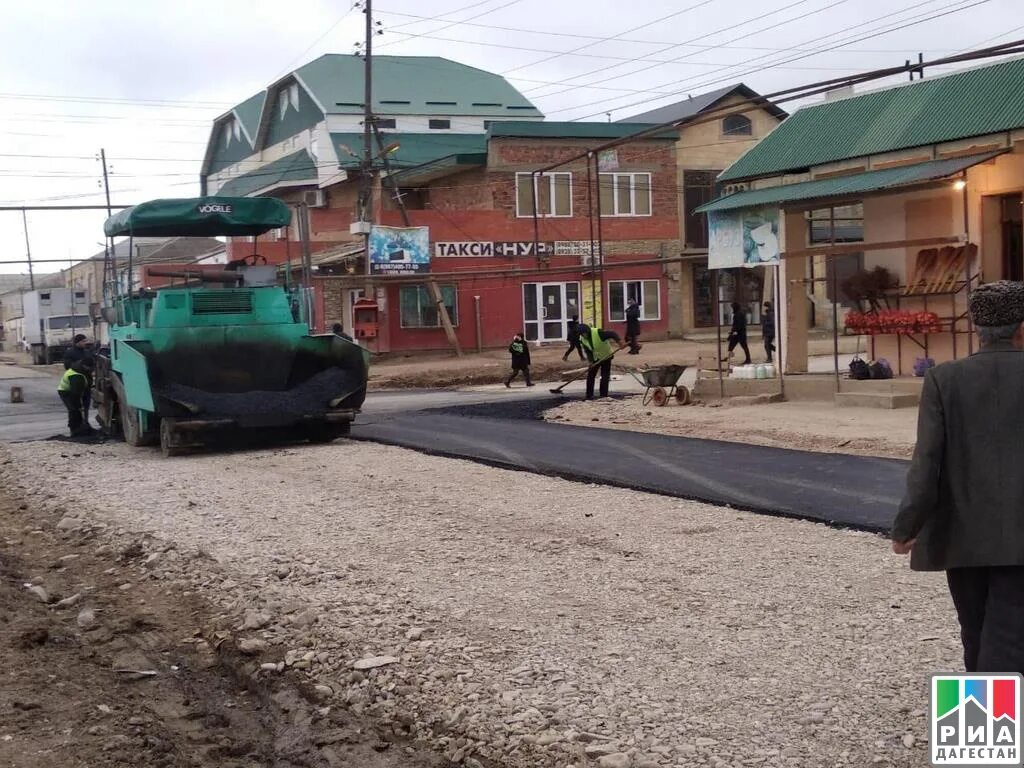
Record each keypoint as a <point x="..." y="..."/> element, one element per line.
<point x="52" y="318"/>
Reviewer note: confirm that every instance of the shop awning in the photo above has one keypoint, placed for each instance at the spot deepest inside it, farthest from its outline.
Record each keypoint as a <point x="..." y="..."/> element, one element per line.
<point x="845" y="186"/>
<point x="200" y="217"/>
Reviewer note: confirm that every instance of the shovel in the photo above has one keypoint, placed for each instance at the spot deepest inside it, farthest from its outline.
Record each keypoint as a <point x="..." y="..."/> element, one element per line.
<point x="558" y="390"/>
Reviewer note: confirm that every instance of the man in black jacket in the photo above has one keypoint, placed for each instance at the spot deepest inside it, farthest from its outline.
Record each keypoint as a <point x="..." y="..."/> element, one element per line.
<point x="738" y="332"/>
<point x="574" y="339"/>
<point x="963" y="512"/>
<point x="633" y="327"/>
<point x="520" y="352"/>
<point x="768" y="330"/>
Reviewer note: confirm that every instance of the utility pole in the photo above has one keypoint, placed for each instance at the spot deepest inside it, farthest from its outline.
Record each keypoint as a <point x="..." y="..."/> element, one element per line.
<point x="106" y="180"/>
<point x="109" y="264"/>
<point x="28" y="251"/>
<point x="366" y="192"/>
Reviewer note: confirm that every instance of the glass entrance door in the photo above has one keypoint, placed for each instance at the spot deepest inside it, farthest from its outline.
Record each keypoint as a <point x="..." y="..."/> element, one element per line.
<point x="547" y="308"/>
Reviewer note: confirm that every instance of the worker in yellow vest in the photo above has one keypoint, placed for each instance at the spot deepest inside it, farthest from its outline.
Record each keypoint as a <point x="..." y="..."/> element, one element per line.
<point x="73" y="390"/>
<point x="600" y="354"/>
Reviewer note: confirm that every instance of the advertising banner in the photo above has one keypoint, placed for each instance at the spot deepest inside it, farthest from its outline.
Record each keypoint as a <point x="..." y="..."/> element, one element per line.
<point x="749" y="237"/>
<point x="399" y="250"/>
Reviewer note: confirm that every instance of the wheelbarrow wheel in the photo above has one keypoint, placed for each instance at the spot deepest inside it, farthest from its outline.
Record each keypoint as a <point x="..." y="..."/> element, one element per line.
<point x="659" y="396"/>
<point x="682" y="395"/>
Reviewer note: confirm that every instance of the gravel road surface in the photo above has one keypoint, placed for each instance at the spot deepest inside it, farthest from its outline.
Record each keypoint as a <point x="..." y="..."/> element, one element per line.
<point x="526" y="620"/>
<point x="804" y="426"/>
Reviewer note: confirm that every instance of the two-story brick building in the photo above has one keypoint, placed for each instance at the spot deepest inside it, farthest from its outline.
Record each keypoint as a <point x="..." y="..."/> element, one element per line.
<point x="501" y="270"/>
<point x="460" y="146"/>
<point x="705" y="147"/>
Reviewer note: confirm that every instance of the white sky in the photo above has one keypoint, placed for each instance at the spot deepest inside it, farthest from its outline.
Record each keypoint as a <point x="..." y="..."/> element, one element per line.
<point x="144" y="79"/>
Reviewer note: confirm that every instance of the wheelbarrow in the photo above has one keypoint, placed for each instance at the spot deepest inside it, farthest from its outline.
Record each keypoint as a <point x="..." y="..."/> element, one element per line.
<point x="662" y="383"/>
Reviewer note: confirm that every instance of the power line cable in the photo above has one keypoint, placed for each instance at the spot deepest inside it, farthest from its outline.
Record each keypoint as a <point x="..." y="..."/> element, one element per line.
<point x="501" y="7"/>
<point x="732" y="77"/>
<point x="702" y="36"/>
<point x="694" y="7"/>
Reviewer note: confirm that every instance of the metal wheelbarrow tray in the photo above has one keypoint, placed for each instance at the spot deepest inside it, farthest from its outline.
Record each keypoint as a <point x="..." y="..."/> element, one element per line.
<point x="662" y="383"/>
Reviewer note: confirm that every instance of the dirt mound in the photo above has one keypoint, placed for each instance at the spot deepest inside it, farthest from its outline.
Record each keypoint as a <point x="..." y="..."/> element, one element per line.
<point x="103" y="668"/>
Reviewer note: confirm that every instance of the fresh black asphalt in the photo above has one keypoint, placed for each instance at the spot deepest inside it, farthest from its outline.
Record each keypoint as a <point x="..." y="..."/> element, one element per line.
<point x="854" y="491"/>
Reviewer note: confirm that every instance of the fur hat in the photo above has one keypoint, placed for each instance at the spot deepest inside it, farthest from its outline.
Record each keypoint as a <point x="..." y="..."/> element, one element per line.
<point x="998" y="303"/>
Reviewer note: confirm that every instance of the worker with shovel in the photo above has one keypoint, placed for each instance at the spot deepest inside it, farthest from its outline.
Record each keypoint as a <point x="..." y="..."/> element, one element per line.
<point x="600" y="354"/>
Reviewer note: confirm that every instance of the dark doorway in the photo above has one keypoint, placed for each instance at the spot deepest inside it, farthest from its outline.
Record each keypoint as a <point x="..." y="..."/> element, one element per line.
<point x="1012" y="224"/>
<point x="704" y="305"/>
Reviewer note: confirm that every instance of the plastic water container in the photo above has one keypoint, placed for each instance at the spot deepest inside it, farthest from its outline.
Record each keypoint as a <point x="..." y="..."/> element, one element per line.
<point x="762" y="372"/>
<point x="769" y="370"/>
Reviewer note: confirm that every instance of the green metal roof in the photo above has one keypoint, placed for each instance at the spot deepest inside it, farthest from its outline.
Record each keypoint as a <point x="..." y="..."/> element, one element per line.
<point x="414" y="148"/>
<point x="568" y="130"/>
<point x="412" y="85"/>
<point x="841" y="186"/>
<point x="436" y="169"/>
<point x="199" y="217"/>
<point x="296" y="167"/>
<point x="972" y="102"/>
<point x="249" y="113"/>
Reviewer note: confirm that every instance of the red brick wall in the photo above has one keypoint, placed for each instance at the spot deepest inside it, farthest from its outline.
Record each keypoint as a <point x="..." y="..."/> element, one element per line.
<point x="479" y="204"/>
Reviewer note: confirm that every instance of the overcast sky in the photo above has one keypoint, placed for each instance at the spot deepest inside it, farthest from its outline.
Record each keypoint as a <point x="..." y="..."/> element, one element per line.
<point x="144" y="79"/>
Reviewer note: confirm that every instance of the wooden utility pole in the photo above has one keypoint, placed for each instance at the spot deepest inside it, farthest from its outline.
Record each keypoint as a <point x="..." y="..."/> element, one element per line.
<point x="28" y="252"/>
<point x="109" y="257"/>
<point x="366" y="180"/>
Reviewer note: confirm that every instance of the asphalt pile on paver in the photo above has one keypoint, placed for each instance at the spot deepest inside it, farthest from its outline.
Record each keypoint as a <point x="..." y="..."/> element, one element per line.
<point x="507" y="619"/>
<point x="311" y="397"/>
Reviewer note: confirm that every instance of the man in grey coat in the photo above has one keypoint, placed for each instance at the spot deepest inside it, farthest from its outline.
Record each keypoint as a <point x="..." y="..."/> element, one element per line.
<point x="963" y="512"/>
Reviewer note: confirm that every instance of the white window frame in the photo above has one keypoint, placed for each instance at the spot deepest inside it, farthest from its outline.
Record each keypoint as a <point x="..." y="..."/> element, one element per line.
<point x="423" y="286"/>
<point x="229" y="129"/>
<point x="293" y="95"/>
<point x="551" y="193"/>
<point x="282" y="103"/>
<point x="632" y="195"/>
<point x="620" y="317"/>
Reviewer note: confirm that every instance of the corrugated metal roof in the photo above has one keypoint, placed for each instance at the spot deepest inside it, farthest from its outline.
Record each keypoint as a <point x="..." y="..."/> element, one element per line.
<point x="249" y="114"/>
<point x="414" y="148"/>
<point x="681" y="110"/>
<point x="296" y="167"/>
<point x="972" y="102"/>
<point x="439" y="168"/>
<point x="412" y="85"/>
<point x="853" y="184"/>
<point x="569" y="130"/>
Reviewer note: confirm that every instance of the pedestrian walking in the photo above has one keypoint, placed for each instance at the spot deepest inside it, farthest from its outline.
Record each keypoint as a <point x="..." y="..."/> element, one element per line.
<point x="738" y="332"/>
<point x="72" y="390"/>
<point x="520" y="352"/>
<point x="633" y="327"/>
<point x="963" y="511"/>
<point x="574" y="339"/>
<point x="768" y="330"/>
<point x="599" y="353"/>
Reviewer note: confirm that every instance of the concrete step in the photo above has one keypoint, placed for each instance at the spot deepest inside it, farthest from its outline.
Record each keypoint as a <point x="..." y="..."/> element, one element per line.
<point x="888" y="400"/>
